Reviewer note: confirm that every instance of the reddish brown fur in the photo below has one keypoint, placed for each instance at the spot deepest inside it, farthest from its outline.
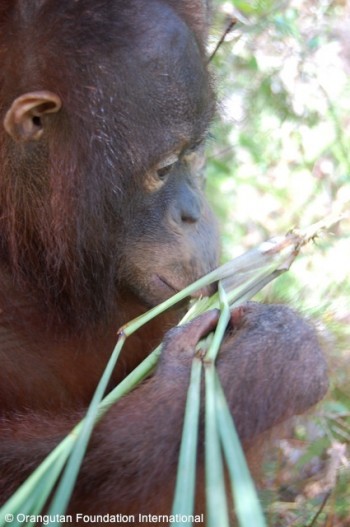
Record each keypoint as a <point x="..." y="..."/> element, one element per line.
<point x="96" y="225"/>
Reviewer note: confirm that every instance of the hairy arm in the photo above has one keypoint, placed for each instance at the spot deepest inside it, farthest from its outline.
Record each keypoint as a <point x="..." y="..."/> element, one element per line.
<point x="271" y="367"/>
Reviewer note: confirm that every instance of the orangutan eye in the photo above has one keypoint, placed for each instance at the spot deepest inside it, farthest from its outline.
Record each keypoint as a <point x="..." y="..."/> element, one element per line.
<point x="164" y="168"/>
<point x="163" y="172"/>
<point x="158" y="175"/>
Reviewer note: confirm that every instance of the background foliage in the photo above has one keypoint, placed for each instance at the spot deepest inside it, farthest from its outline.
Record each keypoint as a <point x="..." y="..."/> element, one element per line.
<point x="279" y="156"/>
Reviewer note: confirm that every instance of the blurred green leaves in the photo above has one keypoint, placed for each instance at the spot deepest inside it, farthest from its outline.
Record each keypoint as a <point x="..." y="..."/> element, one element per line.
<point x="280" y="156"/>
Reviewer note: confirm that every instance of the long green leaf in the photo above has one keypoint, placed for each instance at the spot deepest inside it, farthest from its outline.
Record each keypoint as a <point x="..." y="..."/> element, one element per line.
<point x="186" y="473"/>
<point x="65" y="488"/>
<point x="221" y="326"/>
<point x="248" y="268"/>
<point x="246" y="502"/>
<point x="217" y="512"/>
<point x="241" y="277"/>
<point x="22" y="500"/>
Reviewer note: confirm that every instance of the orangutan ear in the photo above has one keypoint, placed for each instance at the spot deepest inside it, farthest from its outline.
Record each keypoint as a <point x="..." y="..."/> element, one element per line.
<point x="24" y="120"/>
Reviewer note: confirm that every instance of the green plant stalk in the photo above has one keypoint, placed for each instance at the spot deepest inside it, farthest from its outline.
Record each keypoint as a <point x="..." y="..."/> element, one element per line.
<point x="140" y="321"/>
<point x="217" y="512"/>
<point x="147" y="365"/>
<point x="260" y="263"/>
<point x="70" y="474"/>
<point x="249" y="268"/>
<point x="221" y="326"/>
<point x="123" y="387"/>
<point x="60" y="454"/>
<point x="239" y="295"/>
<point x="52" y="466"/>
<point x="216" y="495"/>
<point x="21" y="500"/>
<point x="143" y="370"/>
<point x="186" y="474"/>
<point x="31" y="504"/>
<point x="247" y="505"/>
<point x="61" y="498"/>
<point x="42" y="492"/>
<point x="185" y="483"/>
<point x="228" y="435"/>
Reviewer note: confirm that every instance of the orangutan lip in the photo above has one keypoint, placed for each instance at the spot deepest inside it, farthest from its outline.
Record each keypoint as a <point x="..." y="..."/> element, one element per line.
<point x="204" y="291"/>
<point x="165" y="282"/>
